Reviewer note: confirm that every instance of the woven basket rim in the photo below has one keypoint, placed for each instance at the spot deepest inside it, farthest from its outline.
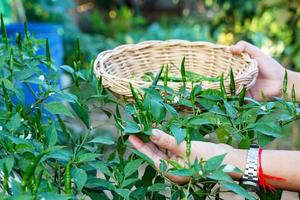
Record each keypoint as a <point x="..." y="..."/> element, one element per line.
<point x="99" y="62"/>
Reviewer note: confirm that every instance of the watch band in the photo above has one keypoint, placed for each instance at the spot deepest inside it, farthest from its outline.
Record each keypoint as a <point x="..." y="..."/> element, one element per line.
<point x="250" y="177"/>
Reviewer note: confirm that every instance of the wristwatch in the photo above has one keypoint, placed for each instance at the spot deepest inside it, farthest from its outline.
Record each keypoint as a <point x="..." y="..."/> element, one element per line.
<point x="250" y="178"/>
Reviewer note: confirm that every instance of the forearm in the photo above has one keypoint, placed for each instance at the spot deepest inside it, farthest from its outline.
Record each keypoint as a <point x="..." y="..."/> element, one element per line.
<point x="284" y="164"/>
<point x="293" y="79"/>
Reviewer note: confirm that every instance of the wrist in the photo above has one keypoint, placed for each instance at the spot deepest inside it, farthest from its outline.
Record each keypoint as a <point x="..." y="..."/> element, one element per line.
<point x="237" y="158"/>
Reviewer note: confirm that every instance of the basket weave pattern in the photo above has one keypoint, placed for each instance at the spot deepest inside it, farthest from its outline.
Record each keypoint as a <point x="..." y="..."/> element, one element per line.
<point x="128" y="63"/>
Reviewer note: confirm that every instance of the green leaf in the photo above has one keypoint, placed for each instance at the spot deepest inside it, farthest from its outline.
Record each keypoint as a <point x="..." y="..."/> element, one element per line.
<point x="202" y="120"/>
<point x="132" y="166"/>
<point x="139" y="193"/>
<point x="163" y="166"/>
<point x="88" y="157"/>
<point x="148" y="176"/>
<point x="214" y="163"/>
<point x="197" y="89"/>
<point x="212" y="94"/>
<point x="178" y="133"/>
<point x="123" y="193"/>
<point x="129" y="182"/>
<point x="250" y="115"/>
<point x="219" y="175"/>
<point x="14" y="123"/>
<point x="231" y="168"/>
<point x="131" y="127"/>
<point x="101" y="166"/>
<point x="245" y="143"/>
<point x="158" y="111"/>
<point x="79" y="176"/>
<point x="58" y="108"/>
<point x="238" y="190"/>
<point x="51" y="135"/>
<point x="82" y="112"/>
<point x="158" y="187"/>
<point x="98" y="182"/>
<point x="231" y="111"/>
<point x="170" y="109"/>
<point x="67" y="68"/>
<point x="269" y="129"/>
<point x="181" y="172"/>
<point x="263" y="139"/>
<point x="175" y="164"/>
<point x="103" y="140"/>
<point x="186" y="102"/>
<point x="222" y="134"/>
<point x="143" y="156"/>
<point x="129" y="110"/>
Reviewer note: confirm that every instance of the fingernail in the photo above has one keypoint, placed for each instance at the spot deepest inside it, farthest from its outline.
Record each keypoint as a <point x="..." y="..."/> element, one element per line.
<point x="155" y="135"/>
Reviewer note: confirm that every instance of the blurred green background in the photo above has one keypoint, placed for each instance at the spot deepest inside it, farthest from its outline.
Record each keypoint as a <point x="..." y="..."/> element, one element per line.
<point x="273" y="25"/>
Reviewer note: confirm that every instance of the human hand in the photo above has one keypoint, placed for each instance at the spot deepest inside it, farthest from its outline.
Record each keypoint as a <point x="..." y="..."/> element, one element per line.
<point x="177" y="152"/>
<point x="270" y="75"/>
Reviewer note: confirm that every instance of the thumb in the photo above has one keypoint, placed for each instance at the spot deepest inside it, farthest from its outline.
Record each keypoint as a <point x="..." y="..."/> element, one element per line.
<point x="245" y="47"/>
<point x="166" y="141"/>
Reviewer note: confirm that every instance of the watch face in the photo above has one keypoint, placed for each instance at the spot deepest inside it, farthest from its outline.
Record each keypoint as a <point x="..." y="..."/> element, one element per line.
<point x="250" y="186"/>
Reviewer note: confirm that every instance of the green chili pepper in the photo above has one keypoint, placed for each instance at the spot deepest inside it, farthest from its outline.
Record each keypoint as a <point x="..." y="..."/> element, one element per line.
<point x="222" y="86"/>
<point x="7" y="100"/>
<point x="38" y="182"/>
<point x="29" y="172"/>
<point x="263" y="96"/>
<point x="29" y="42"/>
<point x="5" y="179"/>
<point x="166" y="77"/>
<point x="183" y="74"/>
<point x="19" y="43"/>
<point x="294" y="98"/>
<point x="49" y="184"/>
<point x="284" y="85"/>
<point x="157" y="77"/>
<point x="48" y="54"/>
<point x="242" y="97"/>
<point x="68" y="186"/>
<point x="188" y="144"/>
<point x="78" y="51"/>
<point x="136" y="98"/>
<point x="232" y="83"/>
<point x="3" y="30"/>
<point x="11" y="64"/>
<point x="100" y="86"/>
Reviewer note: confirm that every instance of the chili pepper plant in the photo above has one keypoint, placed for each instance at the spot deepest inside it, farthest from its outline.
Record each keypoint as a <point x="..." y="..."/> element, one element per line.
<point x="58" y="146"/>
<point x="214" y="115"/>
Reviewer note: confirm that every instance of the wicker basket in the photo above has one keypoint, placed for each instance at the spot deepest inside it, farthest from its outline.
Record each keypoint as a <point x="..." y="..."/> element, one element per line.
<point x="128" y="63"/>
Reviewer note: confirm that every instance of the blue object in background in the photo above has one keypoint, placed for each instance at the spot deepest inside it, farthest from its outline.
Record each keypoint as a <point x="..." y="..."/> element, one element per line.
<point x="40" y="31"/>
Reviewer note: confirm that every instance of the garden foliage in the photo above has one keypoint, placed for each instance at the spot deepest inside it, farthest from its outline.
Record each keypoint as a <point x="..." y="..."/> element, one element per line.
<point x="43" y="153"/>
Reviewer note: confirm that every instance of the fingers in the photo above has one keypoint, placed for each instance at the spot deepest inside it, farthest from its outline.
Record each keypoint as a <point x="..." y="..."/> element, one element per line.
<point x="163" y="140"/>
<point x="245" y="47"/>
<point x="149" y="150"/>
